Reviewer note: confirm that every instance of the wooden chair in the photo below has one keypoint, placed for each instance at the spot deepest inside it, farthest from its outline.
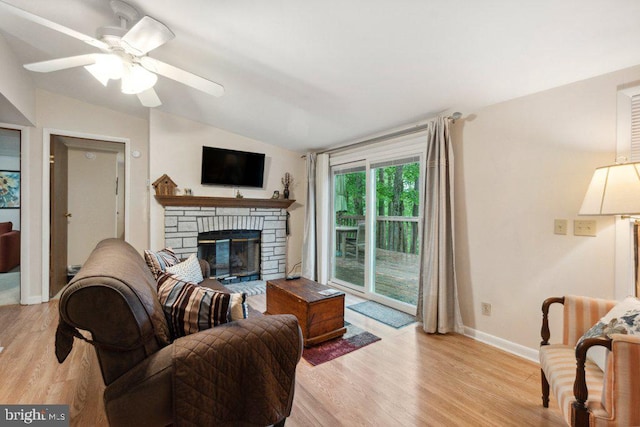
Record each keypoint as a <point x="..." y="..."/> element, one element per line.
<point x="586" y="394"/>
<point x="354" y="246"/>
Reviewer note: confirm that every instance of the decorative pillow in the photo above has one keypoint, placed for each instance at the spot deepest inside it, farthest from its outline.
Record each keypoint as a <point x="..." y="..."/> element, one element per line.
<point x="239" y="308"/>
<point x="188" y="270"/>
<point x="160" y="260"/>
<point x="190" y="308"/>
<point x="623" y="318"/>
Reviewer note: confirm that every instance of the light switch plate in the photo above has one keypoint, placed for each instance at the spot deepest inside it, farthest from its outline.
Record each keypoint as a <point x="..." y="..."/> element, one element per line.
<point x="582" y="227"/>
<point x="560" y="226"/>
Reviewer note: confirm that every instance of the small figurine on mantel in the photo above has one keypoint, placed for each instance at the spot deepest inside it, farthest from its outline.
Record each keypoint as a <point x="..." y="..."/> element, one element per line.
<point x="287" y="179"/>
<point x="165" y="186"/>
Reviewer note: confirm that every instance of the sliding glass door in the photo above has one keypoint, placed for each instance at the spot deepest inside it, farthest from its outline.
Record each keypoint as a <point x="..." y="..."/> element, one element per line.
<point x="349" y="209"/>
<point x="377" y="227"/>
<point x="396" y="264"/>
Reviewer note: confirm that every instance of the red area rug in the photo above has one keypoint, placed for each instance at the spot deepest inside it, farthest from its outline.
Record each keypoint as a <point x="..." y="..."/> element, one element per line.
<point x="352" y="340"/>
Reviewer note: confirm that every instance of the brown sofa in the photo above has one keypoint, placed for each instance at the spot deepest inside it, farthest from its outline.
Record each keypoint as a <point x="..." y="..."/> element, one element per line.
<point x="9" y="247"/>
<point x="240" y="373"/>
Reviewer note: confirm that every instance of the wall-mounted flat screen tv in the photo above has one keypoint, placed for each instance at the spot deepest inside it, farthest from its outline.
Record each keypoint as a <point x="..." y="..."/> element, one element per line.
<point x="230" y="167"/>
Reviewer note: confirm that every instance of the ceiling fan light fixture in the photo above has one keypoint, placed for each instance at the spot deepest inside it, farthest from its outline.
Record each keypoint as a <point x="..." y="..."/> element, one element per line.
<point x="111" y="65"/>
<point x="97" y="72"/>
<point x="106" y="67"/>
<point x="136" y="79"/>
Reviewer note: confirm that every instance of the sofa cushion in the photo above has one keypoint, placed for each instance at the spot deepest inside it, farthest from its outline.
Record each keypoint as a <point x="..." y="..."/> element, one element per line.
<point x="190" y="308"/>
<point x="160" y="260"/>
<point x="188" y="270"/>
<point x="238" y="308"/>
<point x="623" y="318"/>
<point x="558" y="361"/>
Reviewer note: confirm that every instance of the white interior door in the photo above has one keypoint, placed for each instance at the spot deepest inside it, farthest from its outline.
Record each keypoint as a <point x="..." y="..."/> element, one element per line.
<point x="92" y="201"/>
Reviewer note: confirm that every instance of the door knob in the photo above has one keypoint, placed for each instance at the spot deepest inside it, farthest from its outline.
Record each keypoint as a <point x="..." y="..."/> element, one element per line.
<point x="68" y="215"/>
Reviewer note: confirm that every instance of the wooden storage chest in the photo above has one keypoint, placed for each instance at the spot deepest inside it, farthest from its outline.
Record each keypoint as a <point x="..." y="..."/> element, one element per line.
<point x="321" y="316"/>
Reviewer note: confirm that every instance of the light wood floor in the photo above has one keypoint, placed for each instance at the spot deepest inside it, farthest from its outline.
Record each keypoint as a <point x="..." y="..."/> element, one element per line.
<point x="407" y="379"/>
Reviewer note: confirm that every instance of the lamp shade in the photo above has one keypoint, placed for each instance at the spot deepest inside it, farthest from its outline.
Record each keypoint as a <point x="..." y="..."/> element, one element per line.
<point x="614" y="190"/>
<point x="136" y="79"/>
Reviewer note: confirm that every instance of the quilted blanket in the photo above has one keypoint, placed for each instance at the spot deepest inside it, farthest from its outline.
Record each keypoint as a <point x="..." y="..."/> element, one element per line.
<point x="242" y="375"/>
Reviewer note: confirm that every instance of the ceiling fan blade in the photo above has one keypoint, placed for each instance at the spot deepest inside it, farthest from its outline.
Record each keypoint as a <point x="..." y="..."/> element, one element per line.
<point x="149" y="98"/>
<point x="52" y="25"/>
<point x="146" y="35"/>
<point x="182" y="76"/>
<point x="62" y="63"/>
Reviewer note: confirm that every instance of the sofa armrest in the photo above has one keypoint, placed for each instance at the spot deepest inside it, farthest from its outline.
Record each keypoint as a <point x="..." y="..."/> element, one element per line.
<point x="147" y="385"/>
<point x="205" y="267"/>
<point x="242" y="372"/>
<point x="250" y="363"/>
<point x="621" y="392"/>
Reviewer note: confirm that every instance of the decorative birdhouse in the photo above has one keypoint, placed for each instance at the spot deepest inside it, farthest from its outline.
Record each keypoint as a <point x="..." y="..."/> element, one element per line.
<point x="165" y="186"/>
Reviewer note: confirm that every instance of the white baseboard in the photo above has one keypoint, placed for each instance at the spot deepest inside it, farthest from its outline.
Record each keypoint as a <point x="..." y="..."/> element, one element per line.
<point x="31" y="300"/>
<point x="502" y="344"/>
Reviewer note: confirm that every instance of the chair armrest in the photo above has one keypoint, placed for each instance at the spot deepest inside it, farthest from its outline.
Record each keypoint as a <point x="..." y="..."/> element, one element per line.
<point x="544" y="332"/>
<point x="580" y="385"/>
<point x="580" y="413"/>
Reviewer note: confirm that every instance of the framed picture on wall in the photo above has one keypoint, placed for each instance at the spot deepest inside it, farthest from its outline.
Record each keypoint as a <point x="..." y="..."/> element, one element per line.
<point x="9" y="189"/>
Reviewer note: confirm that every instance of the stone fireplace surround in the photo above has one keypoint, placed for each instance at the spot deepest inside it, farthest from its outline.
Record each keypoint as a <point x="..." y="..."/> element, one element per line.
<point x="183" y="223"/>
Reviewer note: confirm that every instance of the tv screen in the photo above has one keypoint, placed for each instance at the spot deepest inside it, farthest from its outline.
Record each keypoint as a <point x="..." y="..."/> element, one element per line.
<point x="230" y="167"/>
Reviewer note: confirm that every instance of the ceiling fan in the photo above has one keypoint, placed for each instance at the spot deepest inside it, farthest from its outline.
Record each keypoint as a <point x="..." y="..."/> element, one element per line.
<point x="124" y="54"/>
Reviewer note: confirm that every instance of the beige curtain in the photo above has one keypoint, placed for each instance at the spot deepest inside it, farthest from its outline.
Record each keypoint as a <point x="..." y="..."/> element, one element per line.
<point x="309" y="269"/>
<point x="438" y="307"/>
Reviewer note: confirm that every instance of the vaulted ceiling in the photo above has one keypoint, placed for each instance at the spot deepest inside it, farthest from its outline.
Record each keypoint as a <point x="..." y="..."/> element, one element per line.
<point x="310" y="74"/>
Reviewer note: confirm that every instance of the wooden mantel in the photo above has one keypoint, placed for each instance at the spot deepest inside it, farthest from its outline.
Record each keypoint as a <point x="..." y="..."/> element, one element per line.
<point x="225" y="202"/>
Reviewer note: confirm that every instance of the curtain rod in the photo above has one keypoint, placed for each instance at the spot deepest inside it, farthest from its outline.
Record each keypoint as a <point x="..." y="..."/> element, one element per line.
<point x="453" y="117"/>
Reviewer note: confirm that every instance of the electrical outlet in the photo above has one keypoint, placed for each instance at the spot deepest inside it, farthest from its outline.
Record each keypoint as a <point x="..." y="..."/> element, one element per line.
<point x="486" y="308"/>
<point x="582" y="227"/>
<point x="560" y="226"/>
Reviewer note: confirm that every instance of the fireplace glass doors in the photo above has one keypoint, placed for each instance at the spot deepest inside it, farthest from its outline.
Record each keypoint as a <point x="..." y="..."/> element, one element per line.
<point x="233" y="255"/>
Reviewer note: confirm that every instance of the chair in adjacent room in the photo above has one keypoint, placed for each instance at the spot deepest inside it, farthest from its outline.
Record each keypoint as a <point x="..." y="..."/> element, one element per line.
<point x="9" y="247"/>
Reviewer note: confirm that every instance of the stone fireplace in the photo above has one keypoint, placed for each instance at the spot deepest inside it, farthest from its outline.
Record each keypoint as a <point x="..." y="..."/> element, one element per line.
<point x="185" y="225"/>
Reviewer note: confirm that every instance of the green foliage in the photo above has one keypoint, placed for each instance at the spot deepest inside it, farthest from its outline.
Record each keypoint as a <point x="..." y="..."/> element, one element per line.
<point x="397" y="191"/>
<point x="397" y="195"/>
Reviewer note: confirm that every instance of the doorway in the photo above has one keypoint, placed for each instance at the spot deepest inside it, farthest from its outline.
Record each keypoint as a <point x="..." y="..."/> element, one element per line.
<point x="10" y="201"/>
<point x="87" y="201"/>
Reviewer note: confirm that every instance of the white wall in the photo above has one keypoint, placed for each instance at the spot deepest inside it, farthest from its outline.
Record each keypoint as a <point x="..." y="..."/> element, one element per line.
<point x="17" y="91"/>
<point x="67" y="114"/>
<point x="176" y="149"/>
<point x="520" y="165"/>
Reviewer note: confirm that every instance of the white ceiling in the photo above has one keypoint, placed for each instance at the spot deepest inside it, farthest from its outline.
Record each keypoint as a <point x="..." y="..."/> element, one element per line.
<point x="310" y="74"/>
